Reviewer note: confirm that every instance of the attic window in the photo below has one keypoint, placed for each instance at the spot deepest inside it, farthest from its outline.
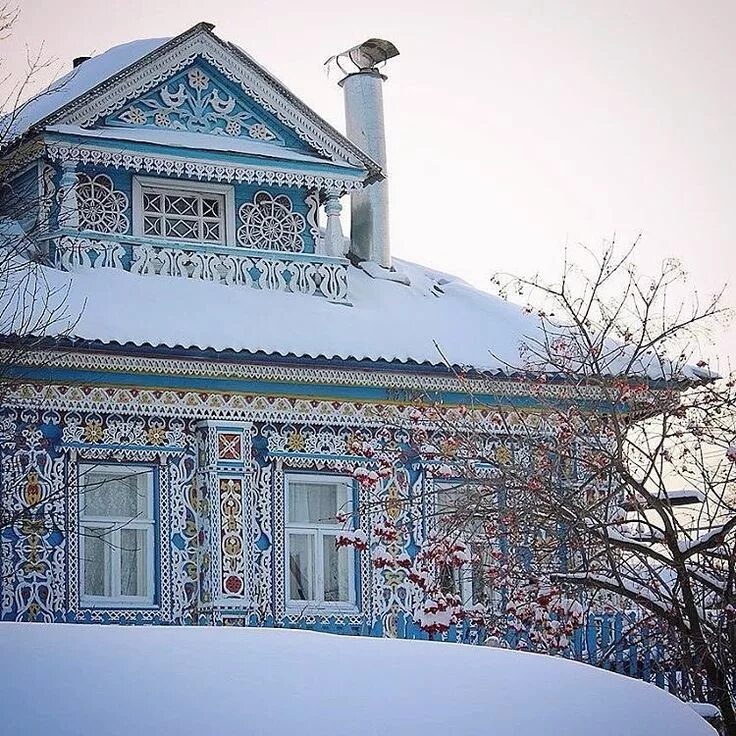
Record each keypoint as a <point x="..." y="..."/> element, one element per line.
<point x="183" y="211"/>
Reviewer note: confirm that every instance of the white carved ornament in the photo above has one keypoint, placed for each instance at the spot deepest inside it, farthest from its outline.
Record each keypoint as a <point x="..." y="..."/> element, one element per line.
<point x="312" y="202"/>
<point x="46" y="198"/>
<point x="270" y="223"/>
<point x="325" y="279"/>
<point x="194" y="103"/>
<point x="74" y="253"/>
<point x="202" y="170"/>
<point x="100" y="206"/>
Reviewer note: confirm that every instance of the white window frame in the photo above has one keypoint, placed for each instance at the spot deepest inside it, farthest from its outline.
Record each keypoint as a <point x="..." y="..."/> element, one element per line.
<point x="318" y="531"/>
<point x="178" y="186"/>
<point x="464" y="579"/>
<point x="146" y="523"/>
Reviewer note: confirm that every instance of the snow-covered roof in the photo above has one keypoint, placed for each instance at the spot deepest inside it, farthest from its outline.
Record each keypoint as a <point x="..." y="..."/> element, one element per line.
<point x="706" y="710"/>
<point x="71" y="679"/>
<point x="387" y="321"/>
<point x="676" y="497"/>
<point x="76" y="83"/>
<point x="682" y="496"/>
<point x="432" y="318"/>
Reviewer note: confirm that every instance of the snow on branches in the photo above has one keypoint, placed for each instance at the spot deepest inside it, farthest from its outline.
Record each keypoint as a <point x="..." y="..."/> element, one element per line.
<point x="477" y="561"/>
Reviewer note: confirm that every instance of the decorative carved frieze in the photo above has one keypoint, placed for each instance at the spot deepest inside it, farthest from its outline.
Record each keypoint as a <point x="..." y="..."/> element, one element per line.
<point x="236" y="67"/>
<point x="72" y="253"/>
<point x="188" y="168"/>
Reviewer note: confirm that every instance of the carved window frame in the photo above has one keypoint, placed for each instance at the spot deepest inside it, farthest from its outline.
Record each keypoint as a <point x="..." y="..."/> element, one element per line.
<point x="147" y="521"/>
<point x="318" y="530"/>
<point x="180" y="186"/>
<point x="464" y="577"/>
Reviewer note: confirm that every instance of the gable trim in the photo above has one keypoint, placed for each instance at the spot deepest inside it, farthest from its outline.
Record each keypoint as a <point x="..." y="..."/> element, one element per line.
<point x="156" y="67"/>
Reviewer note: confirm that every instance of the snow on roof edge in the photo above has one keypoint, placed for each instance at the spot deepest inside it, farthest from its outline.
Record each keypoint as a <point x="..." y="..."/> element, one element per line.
<point x="439" y="321"/>
<point x="76" y="83"/>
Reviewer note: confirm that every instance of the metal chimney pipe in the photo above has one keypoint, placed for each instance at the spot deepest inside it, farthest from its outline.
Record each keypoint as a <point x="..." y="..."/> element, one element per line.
<point x="363" y="90"/>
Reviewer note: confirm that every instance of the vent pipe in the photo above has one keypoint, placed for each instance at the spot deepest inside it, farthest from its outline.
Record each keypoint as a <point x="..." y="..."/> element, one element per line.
<point x="363" y="89"/>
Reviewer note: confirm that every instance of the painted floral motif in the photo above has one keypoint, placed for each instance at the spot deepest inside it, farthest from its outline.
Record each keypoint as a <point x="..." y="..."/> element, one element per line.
<point x="101" y="207"/>
<point x="231" y="520"/>
<point x="93" y="431"/>
<point x="269" y="223"/>
<point x="193" y="102"/>
<point x="156" y="435"/>
<point x="504" y="455"/>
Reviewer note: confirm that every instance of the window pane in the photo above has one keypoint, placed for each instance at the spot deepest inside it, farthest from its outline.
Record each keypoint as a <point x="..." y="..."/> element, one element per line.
<point x="449" y="499"/>
<point x="151" y="202"/>
<point x="315" y="502"/>
<point x="96" y="573"/>
<point x="185" y="229"/>
<point x="180" y="205"/>
<point x="151" y="225"/>
<point x="336" y="570"/>
<point x="482" y="591"/>
<point x="120" y="493"/>
<point x="133" y="562"/>
<point x="211" y="231"/>
<point x="448" y="581"/>
<point x="210" y="207"/>
<point x="301" y="567"/>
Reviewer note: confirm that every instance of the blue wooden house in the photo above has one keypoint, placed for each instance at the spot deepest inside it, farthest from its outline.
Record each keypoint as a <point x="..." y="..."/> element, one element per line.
<point x="178" y="444"/>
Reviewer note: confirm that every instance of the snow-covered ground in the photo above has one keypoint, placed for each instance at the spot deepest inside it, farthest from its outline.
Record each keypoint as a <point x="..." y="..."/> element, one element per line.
<point x="134" y="681"/>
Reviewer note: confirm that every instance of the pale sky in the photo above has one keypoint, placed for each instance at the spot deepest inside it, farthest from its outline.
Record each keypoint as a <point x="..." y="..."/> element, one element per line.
<point x="513" y="127"/>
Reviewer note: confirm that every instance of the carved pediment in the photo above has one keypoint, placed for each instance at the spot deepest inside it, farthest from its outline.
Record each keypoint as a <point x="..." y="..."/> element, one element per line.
<point x="240" y="100"/>
<point x="197" y="100"/>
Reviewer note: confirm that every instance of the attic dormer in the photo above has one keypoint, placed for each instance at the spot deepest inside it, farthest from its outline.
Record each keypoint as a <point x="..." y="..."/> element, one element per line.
<point x="184" y="157"/>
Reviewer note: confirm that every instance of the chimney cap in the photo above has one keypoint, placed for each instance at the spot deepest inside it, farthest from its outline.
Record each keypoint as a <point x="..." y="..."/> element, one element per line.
<point x="364" y="57"/>
<point x="79" y="60"/>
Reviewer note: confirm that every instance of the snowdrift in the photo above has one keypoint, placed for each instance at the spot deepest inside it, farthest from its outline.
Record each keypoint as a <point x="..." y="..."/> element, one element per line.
<point x="70" y="679"/>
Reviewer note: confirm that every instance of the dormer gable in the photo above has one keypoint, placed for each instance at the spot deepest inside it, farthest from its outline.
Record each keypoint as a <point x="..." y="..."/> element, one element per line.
<point x="122" y="100"/>
<point x="192" y="161"/>
<point x="199" y="99"/>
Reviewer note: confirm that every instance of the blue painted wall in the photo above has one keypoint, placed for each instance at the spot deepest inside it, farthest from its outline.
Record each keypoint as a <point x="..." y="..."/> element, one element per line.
<point x="19" y="199"/>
